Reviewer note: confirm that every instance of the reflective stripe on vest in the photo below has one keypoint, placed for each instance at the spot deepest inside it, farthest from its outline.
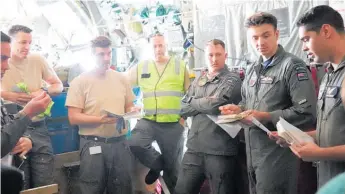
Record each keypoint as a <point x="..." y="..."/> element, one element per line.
<point x="161" y="111"/>
<point x="162" y="93"/>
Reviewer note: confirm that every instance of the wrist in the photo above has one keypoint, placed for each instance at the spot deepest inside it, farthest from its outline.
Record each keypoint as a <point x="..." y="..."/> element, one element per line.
<point x="100" y="120"/>
<point x="321" y="153"/>
<point x="45" y="89"/>
<point x="28" y="137"/>
<point x="241" y="108"/>
<point x="266" y="116"/>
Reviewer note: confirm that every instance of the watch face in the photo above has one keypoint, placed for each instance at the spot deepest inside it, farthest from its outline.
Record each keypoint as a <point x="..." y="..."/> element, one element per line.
<point x="19" y="115"/>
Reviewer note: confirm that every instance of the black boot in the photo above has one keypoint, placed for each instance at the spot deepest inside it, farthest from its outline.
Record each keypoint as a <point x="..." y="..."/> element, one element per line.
<point x="154" y="173"/>
<point x="152" y="176"/>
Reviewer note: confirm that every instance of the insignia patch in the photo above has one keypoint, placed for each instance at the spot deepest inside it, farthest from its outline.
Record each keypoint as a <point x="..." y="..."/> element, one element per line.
<point x="252" y="80"/>
<point x="302" y="76"/>
<point x="332" y="91"/>
<point x="202" y="81"/>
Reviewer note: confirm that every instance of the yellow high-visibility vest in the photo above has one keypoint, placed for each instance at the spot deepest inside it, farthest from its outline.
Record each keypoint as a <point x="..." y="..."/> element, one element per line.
<point x="162" y="94"/>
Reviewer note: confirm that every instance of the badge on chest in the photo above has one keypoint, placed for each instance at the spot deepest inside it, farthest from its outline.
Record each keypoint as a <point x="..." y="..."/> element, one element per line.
<point x="266" y="79"/>
<point x="263" y="80"/>
<point x="332" y="91"/>
<point x="203" y="80"/>
<point x="253" y="80"/>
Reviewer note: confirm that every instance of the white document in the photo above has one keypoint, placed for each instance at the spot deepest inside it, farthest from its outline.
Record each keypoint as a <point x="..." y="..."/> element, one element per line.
<point x="231" y="128"/>
<point x="229" y="118"/>
<point x="260" y="125"/>
<point x="292" y="134"/>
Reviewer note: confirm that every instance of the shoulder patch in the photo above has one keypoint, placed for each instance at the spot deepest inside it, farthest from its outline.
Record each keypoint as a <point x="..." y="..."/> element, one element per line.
<point x="302" y="76"/>
<point x="302" y="73"/>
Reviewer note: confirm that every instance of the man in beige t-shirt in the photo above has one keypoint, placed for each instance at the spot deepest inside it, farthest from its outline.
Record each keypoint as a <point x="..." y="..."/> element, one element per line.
<point x="33" y="70"/>
<point x="105" y="159"/>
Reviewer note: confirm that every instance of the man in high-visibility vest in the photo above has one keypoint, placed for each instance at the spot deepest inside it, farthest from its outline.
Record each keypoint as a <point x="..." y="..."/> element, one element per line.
<point x="163" y="82"/>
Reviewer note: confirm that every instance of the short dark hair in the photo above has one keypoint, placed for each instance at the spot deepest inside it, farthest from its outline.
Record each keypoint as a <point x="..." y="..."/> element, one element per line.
<point x="317" y="16"/>
<point x="100" y="41"/>
<point x="5" y="38"/>
<point x="261" y="18"/>
<point x="216" y="42"/>
<point x="155" y="35"/>
<point x="18" y="28"/>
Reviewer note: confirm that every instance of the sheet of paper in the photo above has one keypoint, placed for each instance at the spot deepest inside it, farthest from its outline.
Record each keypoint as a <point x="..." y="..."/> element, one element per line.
<point x="296" y="135"/>
<point x="230" y="128"/>
<point x="127" y="116"/>
<point x="133" y="115"/>
<point x="260" y="125"/>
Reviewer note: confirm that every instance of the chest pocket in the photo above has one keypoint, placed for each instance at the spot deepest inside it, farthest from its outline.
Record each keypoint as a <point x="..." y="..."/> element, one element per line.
<point x="331" y="100"/>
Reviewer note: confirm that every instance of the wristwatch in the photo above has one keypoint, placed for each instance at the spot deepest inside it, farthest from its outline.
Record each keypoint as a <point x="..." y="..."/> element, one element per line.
<point x="189" y="100"/>
<point x="20" y="115"/>
<point x="242" y="107"/>
<point x="45" y="89"/>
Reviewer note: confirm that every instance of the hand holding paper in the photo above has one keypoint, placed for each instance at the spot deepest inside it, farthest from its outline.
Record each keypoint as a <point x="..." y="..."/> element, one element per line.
<point x="291" y="134"/>
<point x="230" y="118"/>
<point x="260" y="125"/>
<point x="230" y="109"/>
<point x="105" y="119"/>
<point x="308" y="151"/>
<point x="120" y="119"/>
<point x="279" y="140"/>
<point x="230" y="128"/>
<point x="258" y="115"/>
<point x="127" y="116"/>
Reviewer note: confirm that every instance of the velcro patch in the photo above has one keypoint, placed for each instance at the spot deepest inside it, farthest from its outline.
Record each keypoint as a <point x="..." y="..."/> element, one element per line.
<point x="302" y="101"/>
<point x="301" y="69"/>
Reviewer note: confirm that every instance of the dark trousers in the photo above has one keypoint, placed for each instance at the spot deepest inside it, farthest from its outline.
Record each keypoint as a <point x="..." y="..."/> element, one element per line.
<point x="108" y="171"/>
<point x="39" y="164"/>
<point x="196" y="167"/>
<point x="11" y="180"/>
<point x="170" y="141"/>
<point x="307" y="178"/>
<point x="276" y="173"/>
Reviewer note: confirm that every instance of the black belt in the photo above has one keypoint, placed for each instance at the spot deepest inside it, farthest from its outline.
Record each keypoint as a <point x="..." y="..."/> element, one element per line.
<point x="154" y="121"/>
<point x="38" y="124"/>
<point x="104" y="139"/>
